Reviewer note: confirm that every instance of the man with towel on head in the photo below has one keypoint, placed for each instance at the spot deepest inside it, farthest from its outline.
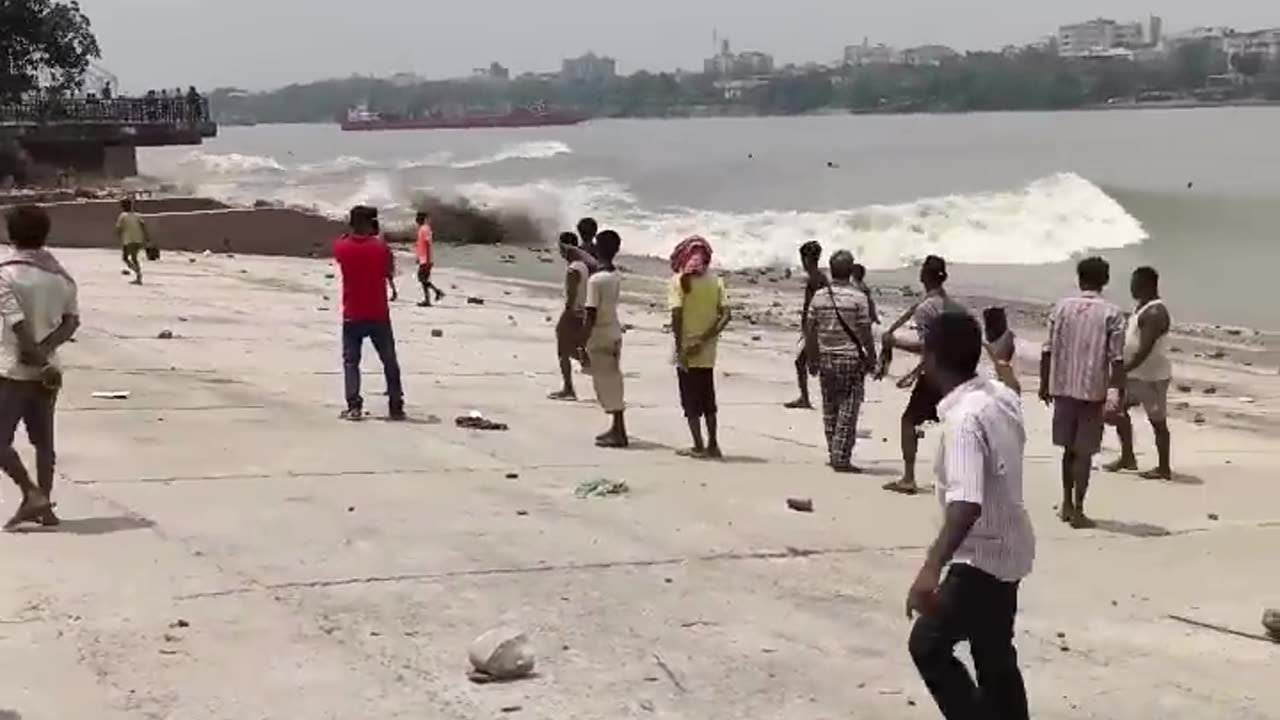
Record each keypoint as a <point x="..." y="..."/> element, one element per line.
<point x="698" y="316"/>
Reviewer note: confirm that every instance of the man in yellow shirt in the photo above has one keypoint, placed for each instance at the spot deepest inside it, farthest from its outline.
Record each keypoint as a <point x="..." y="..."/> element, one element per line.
<point x="698" y="315"/>
<point x="131" y="231"/>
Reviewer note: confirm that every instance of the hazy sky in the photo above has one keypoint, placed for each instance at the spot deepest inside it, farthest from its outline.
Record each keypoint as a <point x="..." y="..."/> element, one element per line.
<point x="265" y="43"/>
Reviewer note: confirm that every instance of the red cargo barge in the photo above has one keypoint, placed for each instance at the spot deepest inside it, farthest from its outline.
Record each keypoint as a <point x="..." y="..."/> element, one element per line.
<point x="362" y="120"/>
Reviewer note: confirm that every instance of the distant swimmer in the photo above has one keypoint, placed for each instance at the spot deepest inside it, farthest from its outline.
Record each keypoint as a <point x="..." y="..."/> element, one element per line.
<point x="1190" y="185"/>
<point x="833" y="165"/>
<point x="751" y="156"/>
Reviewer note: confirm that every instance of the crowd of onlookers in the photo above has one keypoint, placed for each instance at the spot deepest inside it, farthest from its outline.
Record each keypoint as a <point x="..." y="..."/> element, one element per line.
<point x="173" y="107"/>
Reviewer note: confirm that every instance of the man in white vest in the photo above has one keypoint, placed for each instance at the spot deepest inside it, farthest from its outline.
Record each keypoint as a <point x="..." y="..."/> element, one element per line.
<point x="1148" y="371"/>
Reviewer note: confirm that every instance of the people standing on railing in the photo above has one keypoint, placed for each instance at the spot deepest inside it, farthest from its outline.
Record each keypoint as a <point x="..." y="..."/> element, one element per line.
<point x="195" y="105"/>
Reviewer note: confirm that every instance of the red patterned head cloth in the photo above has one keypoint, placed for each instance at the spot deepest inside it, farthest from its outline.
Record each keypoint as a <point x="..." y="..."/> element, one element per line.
<point x="692" y="256"/>
<point x="690" y="259"/>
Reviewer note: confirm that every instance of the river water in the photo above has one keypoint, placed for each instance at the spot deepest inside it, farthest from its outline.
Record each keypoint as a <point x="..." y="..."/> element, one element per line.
<point x="1010" y="198"/>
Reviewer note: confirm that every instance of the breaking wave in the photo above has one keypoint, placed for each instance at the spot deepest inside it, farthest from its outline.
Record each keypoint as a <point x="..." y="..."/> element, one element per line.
<point x="537" y="150"/>
<point x="229" y="164"/>
<point x="1049" y="220"/>
<point x="200" y="165"/>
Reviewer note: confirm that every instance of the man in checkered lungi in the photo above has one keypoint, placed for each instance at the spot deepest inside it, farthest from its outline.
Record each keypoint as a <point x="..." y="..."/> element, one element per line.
<point x="840" y="348"/>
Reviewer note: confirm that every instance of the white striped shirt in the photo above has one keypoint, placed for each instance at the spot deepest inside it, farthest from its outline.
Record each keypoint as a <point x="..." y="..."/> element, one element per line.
<point x="1086" y="337"/>
<point x="980" y="462"/>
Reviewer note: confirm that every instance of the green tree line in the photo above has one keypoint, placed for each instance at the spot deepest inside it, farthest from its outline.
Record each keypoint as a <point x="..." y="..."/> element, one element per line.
<point x="1027" y="80"/>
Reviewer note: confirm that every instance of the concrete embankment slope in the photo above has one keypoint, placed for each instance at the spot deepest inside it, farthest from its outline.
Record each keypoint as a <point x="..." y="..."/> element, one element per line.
<point x="195" y="224"/>
<point x="233" y="552"/>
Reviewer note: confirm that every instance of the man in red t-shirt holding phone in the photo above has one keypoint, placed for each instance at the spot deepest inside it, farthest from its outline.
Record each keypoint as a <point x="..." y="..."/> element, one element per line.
<point x="363" y="258"/>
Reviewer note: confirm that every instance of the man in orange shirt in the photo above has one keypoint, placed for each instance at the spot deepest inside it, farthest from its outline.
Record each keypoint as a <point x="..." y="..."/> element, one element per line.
<point x="424" y="261"/>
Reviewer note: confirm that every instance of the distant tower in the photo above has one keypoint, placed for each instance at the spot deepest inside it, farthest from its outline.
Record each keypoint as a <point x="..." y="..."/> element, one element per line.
<point x="1157" y="31"/>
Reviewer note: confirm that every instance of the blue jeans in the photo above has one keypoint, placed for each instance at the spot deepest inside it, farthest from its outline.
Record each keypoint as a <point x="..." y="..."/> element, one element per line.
<point x="384" y="342"/>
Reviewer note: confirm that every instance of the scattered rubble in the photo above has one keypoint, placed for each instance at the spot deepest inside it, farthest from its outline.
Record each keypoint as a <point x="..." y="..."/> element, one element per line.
<point x="475" y="301"/>
<point x="165" y="334"/>
<point x="476" y="421"/>
<point x="501" y="654"/>
<point x="804" y="505"/>
<point x="1271" y="622"/>
<point x="437" y="333"/>
<point x="601" y="487"/>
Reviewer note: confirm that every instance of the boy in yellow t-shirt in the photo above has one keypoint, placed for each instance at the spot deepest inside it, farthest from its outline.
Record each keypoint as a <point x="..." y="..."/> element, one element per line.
<point x="698" y="315"/>
<point x="131" y="231"/>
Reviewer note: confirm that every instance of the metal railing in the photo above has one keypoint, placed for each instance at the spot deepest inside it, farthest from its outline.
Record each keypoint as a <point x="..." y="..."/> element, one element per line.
<point x="115" y="111"/>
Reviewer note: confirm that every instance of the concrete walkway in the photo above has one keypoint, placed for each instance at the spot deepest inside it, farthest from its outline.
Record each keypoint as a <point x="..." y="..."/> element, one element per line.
<point x="233" y="551"/>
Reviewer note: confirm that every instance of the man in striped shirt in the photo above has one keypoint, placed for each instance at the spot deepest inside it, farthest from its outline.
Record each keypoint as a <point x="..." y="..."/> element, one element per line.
<point x="1081" y="373"/>
<point x="840" y="349"/>
<point x="986" y="538"/>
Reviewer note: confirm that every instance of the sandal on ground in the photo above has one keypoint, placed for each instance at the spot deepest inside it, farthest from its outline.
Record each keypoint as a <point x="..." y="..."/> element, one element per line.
<point x="848" y="470"/>
<point x="1120" y="465"/>
<point x="798" y="405"/>
<point x="611" y="442"/>
<point x="902" y="488"/>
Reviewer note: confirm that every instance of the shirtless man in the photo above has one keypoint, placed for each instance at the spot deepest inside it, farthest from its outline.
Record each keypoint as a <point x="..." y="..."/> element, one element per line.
<point x="1148" y="371"/>
<point x="570" y="337"/>
<point x="922" y="407"/>
<point x="815" y="280"/>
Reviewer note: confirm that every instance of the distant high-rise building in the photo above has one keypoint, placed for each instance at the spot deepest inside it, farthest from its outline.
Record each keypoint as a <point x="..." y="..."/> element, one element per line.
<point x="589" y="68"/>
<point x="1095" y="37"/>
<point x="1156" y="36"/>
<point x="726" y="63"/>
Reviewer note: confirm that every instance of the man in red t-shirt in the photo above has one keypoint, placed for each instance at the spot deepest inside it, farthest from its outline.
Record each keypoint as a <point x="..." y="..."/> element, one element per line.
<point x="362" y="257"/>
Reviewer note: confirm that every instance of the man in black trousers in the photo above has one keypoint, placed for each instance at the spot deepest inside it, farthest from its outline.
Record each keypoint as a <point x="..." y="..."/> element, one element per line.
<point x="986" y="544"/>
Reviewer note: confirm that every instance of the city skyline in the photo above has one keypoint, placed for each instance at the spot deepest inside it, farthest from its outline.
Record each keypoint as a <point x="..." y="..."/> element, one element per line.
<point x="277" y="42"/>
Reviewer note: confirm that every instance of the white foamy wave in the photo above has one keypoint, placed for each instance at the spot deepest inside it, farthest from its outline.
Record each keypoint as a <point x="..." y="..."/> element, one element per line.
<point x="1048" y="221"/>
<point x="341" y="164"/>
<point x="434" y="160"/>
<point x="535" y="150"/>
<point x="228" y="164"/>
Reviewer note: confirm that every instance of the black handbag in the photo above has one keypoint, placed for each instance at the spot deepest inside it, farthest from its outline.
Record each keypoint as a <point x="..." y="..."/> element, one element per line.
<point x="153" y="252"/>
